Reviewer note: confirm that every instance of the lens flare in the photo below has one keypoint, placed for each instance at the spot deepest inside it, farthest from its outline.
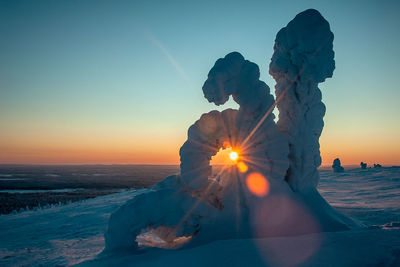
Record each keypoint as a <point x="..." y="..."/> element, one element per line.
<point x="233" y="155"/>
<point x="242" y="167"/>
<point x="257" y="184"/>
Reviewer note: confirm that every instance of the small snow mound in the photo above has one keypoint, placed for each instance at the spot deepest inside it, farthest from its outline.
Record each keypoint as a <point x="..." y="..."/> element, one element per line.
<point x="336" y="166"/>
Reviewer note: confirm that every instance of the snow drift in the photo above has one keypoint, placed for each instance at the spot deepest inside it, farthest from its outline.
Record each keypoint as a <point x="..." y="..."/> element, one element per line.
<point x="271" y="191"/>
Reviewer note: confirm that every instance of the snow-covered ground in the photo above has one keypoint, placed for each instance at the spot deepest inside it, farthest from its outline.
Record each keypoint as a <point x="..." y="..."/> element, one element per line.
<point x="60" y="235"/>
<point x="73" y="233"/>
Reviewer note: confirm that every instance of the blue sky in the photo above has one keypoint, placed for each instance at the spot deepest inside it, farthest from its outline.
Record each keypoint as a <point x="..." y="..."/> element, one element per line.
<point x="84" y="77"/>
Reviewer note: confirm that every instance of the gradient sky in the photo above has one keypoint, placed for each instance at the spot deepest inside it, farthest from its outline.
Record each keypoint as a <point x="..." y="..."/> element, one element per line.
<point x="120" y="81"/>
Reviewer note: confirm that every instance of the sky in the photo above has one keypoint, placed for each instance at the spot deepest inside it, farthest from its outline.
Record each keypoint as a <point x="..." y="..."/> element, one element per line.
<point x="119" y="82"/>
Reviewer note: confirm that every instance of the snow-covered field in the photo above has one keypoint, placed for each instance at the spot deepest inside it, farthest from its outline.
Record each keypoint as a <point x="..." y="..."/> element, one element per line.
<point x="73" y="233"/>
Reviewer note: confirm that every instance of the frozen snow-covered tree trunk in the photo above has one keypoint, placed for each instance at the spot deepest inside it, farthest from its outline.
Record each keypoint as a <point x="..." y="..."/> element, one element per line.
<point x="303" y="57"/>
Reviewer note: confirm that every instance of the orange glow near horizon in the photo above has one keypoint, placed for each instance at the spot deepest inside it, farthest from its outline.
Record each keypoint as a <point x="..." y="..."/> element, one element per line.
<point x="92" y="151"/>
<point x="62" y="156"/>
<point x="351" y="152"/>
<point x="130" y="154"/>
<point x="228" y="156"/>
<point x="168" y="154"/>
<point x="223" y="157"/>
<point x="60" y="146"/>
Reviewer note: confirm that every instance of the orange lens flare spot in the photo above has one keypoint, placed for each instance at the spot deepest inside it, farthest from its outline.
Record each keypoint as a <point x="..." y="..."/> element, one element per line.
<point x="242" y="167"/>
<point x="257" y="184"/>
<point x="233" y="155"/>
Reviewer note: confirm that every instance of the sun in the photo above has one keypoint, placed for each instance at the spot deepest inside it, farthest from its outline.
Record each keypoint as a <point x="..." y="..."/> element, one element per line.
<point x="233" y="155"/>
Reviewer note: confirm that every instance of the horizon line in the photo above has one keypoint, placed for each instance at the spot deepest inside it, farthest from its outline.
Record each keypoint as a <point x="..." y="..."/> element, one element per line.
<point x="152" y="164"/>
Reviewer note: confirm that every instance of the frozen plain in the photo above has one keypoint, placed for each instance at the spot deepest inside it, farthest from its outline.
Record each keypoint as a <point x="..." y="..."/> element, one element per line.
<point x="73" y="233"/>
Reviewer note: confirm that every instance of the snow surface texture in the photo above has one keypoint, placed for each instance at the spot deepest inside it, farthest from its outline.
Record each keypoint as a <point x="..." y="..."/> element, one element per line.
<point x="275" y="194"/>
